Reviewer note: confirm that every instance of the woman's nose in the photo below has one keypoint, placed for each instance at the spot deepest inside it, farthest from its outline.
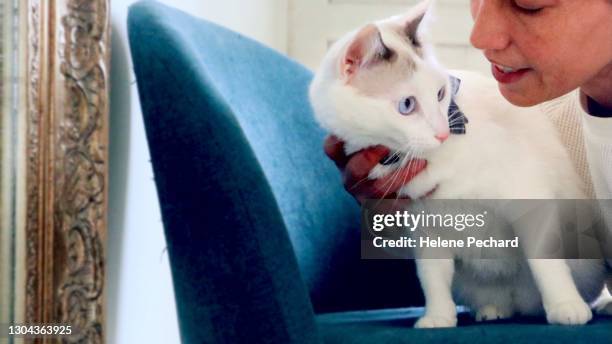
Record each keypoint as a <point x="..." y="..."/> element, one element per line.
<point x="490" y="30"/>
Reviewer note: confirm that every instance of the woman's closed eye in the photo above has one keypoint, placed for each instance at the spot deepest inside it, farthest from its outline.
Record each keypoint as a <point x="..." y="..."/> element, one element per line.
<point x="528" y="7"/>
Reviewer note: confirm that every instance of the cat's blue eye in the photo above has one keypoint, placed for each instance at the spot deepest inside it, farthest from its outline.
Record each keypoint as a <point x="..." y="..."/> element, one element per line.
<point x="407" y="105"/>
<point x="441" y="93"/>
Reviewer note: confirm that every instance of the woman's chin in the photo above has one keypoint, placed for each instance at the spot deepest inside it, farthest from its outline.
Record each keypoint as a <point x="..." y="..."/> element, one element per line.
<point x="518" y="98"/>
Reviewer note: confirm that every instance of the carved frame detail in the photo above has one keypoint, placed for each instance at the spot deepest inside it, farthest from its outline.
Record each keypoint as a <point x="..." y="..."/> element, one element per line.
<point x="67" y="165"/>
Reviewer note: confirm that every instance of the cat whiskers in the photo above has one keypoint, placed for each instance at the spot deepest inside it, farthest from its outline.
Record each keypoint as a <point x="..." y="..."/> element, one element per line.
<point x="392" y="156"/>
<point x="409" y="155"/>
<point x="395" y="173"/>
<point x="418" y="153"/>
<point x="414" y="153"/>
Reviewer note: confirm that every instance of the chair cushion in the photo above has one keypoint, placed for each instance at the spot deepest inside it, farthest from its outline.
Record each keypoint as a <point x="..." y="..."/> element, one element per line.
<point x="396" y="326"/>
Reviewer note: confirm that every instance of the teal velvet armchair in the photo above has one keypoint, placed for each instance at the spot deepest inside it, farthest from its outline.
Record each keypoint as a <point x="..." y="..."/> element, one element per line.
<point x="263" y="240"/>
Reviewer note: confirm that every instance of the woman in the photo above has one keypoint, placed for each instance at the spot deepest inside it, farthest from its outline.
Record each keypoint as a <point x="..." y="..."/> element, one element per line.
<point x="556" y="54"/>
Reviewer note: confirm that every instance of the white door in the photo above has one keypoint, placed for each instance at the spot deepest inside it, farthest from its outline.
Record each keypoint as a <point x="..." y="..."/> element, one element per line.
<point x="314" y="24"/>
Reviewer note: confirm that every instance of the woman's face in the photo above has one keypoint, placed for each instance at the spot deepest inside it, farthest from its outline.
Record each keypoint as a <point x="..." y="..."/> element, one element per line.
<point x="542" y="49"/>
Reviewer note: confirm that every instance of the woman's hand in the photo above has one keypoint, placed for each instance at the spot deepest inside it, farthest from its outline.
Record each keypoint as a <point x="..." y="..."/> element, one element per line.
<point x="356" y="167"/>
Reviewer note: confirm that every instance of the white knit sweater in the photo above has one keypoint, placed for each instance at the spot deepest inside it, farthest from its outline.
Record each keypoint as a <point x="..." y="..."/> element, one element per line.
<point x="588" y="140"/>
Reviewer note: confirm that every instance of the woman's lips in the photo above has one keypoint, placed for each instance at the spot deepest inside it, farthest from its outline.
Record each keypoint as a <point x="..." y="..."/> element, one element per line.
<point x="507" y="75"/>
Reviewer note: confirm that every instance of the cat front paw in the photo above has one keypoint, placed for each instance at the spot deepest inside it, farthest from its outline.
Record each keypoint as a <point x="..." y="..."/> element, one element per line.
<point x="436" y="321"/>
<point x="492" y="312"/>
<point x="569" y="313"/>
<point x="416" y="190"/>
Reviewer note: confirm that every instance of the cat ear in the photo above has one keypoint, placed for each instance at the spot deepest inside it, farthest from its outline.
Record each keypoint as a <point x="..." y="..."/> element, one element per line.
<point x="413" y="21"/>
<point x="366" y="48"/>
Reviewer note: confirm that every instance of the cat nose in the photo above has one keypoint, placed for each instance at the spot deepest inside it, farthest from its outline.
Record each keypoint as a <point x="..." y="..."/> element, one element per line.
<point x="442" y="137"/>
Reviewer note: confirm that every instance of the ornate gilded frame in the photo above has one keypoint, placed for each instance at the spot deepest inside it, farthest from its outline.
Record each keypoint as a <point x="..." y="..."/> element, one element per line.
<point x="68" y="55"/>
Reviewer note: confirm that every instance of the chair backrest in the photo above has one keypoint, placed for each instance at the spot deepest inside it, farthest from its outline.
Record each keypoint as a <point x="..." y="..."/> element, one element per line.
<point x="261" y="96"/>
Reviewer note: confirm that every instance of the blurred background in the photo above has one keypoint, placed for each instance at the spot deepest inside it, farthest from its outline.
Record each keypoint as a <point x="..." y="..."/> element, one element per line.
<point x="312" y="26"/>
<point x="140" y="297"/>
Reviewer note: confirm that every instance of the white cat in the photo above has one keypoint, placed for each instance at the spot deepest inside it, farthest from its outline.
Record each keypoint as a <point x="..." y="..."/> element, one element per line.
<point x="381" y="84"/>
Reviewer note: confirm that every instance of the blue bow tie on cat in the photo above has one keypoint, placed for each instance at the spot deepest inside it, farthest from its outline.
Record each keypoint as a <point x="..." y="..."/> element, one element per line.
<point x="456" y="120"/>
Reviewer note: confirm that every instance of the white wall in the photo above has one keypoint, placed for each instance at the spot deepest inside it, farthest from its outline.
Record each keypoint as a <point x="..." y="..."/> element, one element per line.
<point x="315" y="24"/>
<point x="140" y="297"/>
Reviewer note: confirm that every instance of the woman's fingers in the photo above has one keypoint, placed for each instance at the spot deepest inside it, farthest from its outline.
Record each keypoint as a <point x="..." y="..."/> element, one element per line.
<point x="334" y="149"/>
<point x="360" y="164"/>
<point x="356" y="169"/>
<point x="388" y="186"/>
<point x="394" y="181"/>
